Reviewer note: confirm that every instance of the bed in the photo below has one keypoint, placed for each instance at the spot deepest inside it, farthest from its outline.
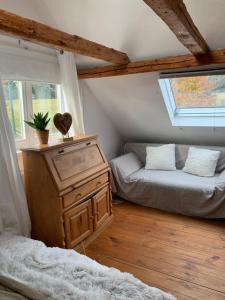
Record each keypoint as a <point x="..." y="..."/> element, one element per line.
<point x="30" y="270"/>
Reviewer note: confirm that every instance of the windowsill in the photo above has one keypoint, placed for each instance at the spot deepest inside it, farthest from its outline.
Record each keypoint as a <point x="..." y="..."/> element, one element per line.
<point x="194" y="121"/>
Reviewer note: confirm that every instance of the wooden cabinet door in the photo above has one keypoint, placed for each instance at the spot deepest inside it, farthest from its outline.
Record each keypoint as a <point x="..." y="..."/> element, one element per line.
<point x="101" y="207"/>
<point x="78" y="224"/>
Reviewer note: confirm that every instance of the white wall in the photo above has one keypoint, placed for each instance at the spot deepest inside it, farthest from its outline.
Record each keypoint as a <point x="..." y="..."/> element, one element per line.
<point x="97" y="121"/>
<point x="21" y="7"/>
<point x="137" y="109"/>
<point x="95" y="118"/>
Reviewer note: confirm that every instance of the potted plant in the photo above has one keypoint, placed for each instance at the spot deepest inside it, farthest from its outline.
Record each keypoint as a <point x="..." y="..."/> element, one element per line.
<point x="40" y="122"/>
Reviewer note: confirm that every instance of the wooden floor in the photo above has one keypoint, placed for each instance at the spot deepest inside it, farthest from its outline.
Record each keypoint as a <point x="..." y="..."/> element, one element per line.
<point x="181" y="255"/>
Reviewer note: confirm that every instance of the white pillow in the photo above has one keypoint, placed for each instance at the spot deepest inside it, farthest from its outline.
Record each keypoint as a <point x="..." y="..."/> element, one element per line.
<point x="201" y="162"/>
<point x="161" y="158"/>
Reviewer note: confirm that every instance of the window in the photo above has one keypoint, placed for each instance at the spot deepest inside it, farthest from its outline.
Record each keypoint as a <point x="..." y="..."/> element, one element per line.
<point x="45" y="99"/>
<point x="14" y="105"/>
<point x="23" y="98"/>
<point x="195" y="100"/>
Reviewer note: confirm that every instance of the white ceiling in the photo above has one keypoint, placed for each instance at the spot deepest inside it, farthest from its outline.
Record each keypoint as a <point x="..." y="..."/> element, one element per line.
<point x="129" y="26"/>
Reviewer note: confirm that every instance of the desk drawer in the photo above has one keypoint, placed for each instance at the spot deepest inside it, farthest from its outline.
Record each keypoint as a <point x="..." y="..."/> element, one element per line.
<point x="84" y="190"/>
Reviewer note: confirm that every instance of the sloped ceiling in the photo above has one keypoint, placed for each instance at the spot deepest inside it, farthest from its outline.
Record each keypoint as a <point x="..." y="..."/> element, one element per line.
<point x="133" y="103"/>
<point x="21" y="7"/>
<point x="135" y="106"/>
<point x="127" y="25"/>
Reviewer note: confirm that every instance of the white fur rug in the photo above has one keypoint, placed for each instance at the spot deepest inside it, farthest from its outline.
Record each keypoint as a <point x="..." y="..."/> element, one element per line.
<point x="65" y="274"/>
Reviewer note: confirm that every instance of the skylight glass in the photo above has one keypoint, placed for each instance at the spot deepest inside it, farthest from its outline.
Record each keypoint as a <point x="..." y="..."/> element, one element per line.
<point x="195" y="99"/>
<point x="199" y="91"/>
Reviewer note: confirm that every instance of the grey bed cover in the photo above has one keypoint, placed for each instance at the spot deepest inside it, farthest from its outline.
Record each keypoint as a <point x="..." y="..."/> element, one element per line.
<point x="173" y="191"/>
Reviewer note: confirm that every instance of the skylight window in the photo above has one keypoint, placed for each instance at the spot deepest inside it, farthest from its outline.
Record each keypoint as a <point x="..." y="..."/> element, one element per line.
<point x="194" y="99"/>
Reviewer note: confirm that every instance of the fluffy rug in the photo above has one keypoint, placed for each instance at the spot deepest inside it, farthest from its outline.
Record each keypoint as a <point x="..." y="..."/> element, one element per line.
<point x="65" y="274"/>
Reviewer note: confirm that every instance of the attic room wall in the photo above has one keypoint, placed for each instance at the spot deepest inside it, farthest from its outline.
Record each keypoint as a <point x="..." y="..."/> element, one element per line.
<point x="95" y="118"/>
<point x="96" y="121"/>
<point x="21" y="7"/>
<point x="137" y="109"/>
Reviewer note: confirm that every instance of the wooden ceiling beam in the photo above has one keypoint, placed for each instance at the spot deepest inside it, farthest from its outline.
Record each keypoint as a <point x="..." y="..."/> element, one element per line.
<point x="23" y="28"/>
<point x="162" y="64"/>
<point x="176" y="16"/>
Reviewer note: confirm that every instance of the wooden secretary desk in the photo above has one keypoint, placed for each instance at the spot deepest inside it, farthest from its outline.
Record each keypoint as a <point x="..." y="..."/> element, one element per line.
<point x="68" y="191"/>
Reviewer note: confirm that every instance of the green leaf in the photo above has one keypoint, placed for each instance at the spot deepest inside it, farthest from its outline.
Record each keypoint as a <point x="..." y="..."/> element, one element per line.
<point x="40" y="121"/>
<point x="30" y="124"/>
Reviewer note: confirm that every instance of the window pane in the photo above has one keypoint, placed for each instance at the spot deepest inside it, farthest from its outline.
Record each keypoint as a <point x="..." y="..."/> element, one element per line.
<point x="199" y="91"/>
<point x="13" y="96"/>
<point x="44" y="99"/>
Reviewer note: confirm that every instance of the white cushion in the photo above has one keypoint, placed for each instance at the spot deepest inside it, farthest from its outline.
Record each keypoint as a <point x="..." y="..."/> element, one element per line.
<point x="161" y="158"/>
<point x="201" y="162"/>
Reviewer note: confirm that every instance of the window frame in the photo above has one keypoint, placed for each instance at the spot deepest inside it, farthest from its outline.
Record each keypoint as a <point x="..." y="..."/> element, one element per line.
<point x="27" y="111"/>
<point x="190" y="117"/>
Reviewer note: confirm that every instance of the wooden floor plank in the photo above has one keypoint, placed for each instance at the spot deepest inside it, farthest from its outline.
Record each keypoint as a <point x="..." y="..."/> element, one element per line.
<point x="181" y="255"/>
<point x="160" y="259"/>
<point x="210" y="252"/>
<point x="156" y="214"/>
<point x="179" y="288"/>
<point x="196" y="241"/>
<point x="209" y="261"/>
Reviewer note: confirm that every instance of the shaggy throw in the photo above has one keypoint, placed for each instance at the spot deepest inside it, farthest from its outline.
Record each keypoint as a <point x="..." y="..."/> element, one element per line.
<point x="65" y="274"/>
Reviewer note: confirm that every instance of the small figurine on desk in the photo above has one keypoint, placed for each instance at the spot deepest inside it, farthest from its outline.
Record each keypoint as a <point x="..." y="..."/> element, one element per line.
<point x="63" y="123"/>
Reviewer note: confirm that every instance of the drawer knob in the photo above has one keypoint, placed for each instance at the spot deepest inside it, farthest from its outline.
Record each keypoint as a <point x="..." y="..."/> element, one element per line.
<point x="98" y="183"/>
<point x="78" y="195"/>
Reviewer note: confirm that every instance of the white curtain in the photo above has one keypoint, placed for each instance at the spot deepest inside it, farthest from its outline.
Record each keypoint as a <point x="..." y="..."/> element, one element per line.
<point x="21" y="64"/>
<point x="71" y="93"/>
<point x="13" y="206"/>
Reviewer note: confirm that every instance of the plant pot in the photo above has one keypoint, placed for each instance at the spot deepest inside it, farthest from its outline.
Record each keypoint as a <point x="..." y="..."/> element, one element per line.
<point x="43" y="136"/>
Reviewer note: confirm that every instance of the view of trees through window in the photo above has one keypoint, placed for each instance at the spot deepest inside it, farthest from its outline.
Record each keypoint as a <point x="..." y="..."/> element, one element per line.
<point x="44" y="99"/>
<point x="199" y="91"/>
<point x="14" y="104"/>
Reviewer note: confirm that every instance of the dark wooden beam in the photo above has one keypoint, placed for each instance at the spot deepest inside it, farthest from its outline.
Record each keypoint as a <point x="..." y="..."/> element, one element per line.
<point x="23" y="28"/>
<point x="176" y="16"/>
<point x="162" y="64"/>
